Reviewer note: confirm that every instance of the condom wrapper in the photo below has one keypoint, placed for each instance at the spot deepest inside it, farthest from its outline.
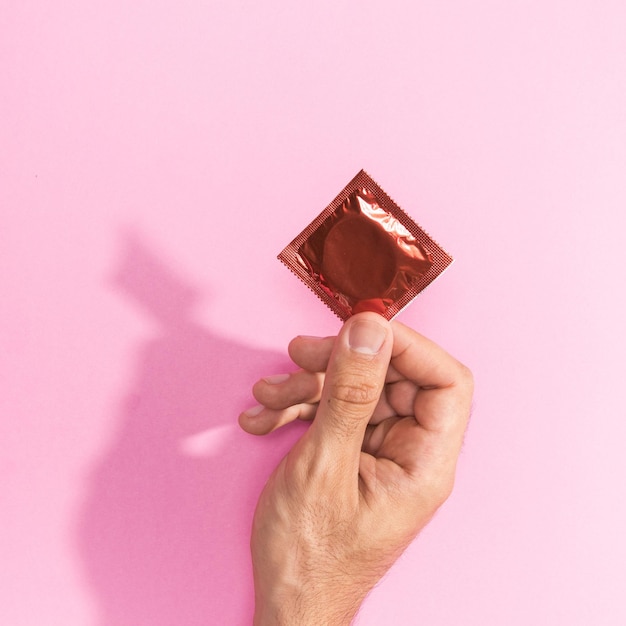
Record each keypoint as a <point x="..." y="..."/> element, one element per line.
<point x="364" y="253"/>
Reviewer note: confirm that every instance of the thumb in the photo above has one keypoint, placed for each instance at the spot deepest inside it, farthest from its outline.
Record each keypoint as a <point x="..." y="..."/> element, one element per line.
<point x="353" y="383"/>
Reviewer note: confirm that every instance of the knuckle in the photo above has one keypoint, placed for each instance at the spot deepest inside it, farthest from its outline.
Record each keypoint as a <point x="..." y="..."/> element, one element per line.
<point x="355" y="393"/>
<point x="466" y="377"/>
<point x="436" y="489"/>
<point x="444" y="488"/>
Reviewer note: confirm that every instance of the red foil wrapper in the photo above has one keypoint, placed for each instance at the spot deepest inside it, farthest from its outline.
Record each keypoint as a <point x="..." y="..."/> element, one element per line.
<point x="364" y="253"/>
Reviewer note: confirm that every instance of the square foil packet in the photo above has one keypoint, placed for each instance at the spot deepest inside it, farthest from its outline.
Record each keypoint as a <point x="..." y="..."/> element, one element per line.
<point x="364" y="253"/>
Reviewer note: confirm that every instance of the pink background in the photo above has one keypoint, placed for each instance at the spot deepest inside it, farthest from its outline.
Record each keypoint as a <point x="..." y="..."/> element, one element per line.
<point x="154" y="159"/>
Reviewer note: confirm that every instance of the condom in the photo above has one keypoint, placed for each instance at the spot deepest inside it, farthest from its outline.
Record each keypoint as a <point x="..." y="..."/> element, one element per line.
<point x="364" y="253"/>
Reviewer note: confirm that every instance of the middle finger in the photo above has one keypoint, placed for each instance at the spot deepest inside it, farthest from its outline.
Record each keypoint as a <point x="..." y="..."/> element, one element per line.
<point x="284" y="390"/>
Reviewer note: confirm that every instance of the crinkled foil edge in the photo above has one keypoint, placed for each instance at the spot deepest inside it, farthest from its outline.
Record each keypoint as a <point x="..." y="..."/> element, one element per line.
<point x="441" y="259"/>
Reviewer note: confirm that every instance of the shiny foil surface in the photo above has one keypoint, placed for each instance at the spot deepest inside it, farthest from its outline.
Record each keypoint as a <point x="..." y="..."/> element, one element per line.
<point x="363" y="253"/>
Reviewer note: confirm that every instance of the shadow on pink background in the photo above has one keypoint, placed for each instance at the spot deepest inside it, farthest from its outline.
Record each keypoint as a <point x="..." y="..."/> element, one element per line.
<point x="161" y="532"/>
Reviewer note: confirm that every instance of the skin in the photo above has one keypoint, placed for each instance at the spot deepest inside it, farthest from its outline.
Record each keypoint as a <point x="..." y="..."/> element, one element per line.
<point x="389" y="410"/>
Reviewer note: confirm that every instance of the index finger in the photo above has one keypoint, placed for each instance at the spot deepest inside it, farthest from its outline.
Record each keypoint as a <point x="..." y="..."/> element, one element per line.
<point x="414" y="357"/>
<point x="423" y="362"/>
<point x="445" y="386"/>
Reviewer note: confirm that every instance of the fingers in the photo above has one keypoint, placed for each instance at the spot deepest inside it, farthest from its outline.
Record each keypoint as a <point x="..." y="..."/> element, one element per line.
<point x="260" y="420"/>
<point x="399" y="397"/>
<point x="311" y="353"/>
<point x="422" y="361"/>
<point x="283" y="398"/>
<point x="423" y="381"/>
<point x="279" y="393"/>
<point x="417" y="365"/>
<point x="415" y="357"/>
<point x="354" y="380"/>
<point x="428" y="446"/>
<point x="283" y="390"/>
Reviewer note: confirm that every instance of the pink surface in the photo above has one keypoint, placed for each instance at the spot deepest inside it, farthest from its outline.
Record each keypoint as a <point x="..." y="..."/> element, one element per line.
<point x="156" y="156"/>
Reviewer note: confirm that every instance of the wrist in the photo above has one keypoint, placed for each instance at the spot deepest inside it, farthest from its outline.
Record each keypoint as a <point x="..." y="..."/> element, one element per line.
<point x="313" y="607"/>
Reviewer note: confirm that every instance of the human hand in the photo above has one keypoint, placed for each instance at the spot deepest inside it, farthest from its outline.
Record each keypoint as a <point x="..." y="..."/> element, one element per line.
<point x="390" y="409"/>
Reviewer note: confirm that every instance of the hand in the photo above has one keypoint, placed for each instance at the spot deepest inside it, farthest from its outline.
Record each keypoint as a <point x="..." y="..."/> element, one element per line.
<point x="390" y="410"/>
